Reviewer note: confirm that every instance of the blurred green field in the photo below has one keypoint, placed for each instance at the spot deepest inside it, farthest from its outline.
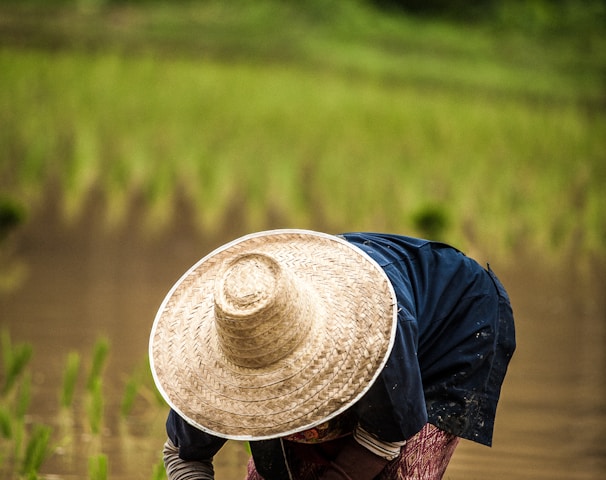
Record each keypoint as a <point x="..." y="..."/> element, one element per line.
<point x="334" y="116"/>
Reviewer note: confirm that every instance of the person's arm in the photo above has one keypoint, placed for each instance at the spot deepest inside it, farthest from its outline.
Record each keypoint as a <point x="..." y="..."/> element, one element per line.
<point x="179" y="469"/>
<point x="188" y="452"/>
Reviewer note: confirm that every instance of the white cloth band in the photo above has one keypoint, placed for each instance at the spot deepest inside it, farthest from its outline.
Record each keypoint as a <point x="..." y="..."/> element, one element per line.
<point x="387" y="450"/>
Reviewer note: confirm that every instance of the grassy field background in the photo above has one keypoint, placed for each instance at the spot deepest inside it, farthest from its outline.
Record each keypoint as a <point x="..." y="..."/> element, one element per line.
<point x="330" y="115"/>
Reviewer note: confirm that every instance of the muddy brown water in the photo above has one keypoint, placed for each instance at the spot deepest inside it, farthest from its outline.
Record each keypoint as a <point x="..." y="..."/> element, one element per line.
<point x="83" y="282"/>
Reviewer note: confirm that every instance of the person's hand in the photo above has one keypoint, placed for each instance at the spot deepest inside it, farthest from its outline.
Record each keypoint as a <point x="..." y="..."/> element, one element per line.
<point x="354" y="462"/>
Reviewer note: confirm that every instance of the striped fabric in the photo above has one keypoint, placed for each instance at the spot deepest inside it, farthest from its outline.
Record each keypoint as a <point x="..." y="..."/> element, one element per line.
<point x="177" y="469"/>
<point x="387" y="450"/>
<point x="425" y="456"/>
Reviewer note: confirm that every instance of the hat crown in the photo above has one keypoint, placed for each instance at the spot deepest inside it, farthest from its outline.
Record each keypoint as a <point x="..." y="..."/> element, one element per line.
<point x="262" y="311"/>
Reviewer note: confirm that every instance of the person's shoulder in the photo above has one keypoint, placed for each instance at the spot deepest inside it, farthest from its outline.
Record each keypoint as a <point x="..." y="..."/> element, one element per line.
<point x="386" y="248"/>
<point x="393" y="241"/>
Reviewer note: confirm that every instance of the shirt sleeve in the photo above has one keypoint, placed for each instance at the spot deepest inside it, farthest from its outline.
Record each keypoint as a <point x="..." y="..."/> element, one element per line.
<point x="192" y="444"/>
<point x="179" y="469"/>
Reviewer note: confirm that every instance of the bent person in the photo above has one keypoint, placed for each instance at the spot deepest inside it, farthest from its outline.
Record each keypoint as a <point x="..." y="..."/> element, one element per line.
<point x="358" y="356"/>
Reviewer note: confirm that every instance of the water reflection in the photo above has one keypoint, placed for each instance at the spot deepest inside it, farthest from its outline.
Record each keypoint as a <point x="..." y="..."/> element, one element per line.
<point x="83" y="283"/>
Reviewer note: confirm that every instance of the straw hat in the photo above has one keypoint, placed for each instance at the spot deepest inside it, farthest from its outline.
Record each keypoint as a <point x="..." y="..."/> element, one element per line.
<point x="272" y="334"/>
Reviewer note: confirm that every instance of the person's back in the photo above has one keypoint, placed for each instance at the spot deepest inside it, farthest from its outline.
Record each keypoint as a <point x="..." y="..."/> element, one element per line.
<point x="462" y="347"/>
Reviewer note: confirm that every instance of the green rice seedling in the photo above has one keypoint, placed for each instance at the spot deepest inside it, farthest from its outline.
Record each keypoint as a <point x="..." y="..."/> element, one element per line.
<point x="431" y="221"/>
<point x="37" y="450"/>
<point x="17" y="439"/>
<point x="159" y="472"/>
<point x="12" y="214"/>
<point x="14" y="359"/>
<point x="6" y="424"/>
<point x="101" y="349"/>
<point x="98" y="467"/>
<point x="70" y="377"/>
<point x="131" y="391"/>
<point x="5" y="341"/>
<point x="148" y="382"/>
<point x="95" y="406"/>
<point x="140" y="385"/>
<point x="24" y="396"/>
<point x="67" y="434"/>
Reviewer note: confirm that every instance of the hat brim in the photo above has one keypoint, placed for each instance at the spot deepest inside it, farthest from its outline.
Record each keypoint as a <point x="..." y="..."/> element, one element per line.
<point x="347" y="348"/>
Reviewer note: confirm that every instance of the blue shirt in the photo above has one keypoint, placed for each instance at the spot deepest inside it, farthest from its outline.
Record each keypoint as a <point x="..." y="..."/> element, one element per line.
<point x="455" y="337"/>
<point x="454" y="340"/>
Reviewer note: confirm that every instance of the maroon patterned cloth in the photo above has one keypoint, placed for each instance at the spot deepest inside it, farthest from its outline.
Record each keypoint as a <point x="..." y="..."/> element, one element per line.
<point x="424" y="457"/>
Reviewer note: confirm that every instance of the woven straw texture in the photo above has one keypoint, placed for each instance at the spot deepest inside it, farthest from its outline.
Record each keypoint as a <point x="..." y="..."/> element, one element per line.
<point x="272" y="334"/>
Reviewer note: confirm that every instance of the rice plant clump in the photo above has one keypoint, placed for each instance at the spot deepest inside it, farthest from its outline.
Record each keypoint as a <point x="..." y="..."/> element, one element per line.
<point x="24" y="447"/>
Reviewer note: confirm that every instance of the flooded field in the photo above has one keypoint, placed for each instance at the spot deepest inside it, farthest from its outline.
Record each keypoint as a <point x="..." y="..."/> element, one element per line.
<point x="82" y="283"/>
